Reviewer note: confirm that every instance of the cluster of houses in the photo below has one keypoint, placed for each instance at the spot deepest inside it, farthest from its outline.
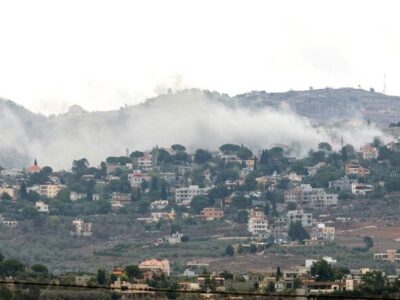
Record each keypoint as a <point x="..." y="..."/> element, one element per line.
<point x="295" y="278"/>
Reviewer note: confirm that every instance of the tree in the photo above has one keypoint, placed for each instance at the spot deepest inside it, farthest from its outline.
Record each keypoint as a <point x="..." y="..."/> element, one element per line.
<point x="5" y="196"/>
<point x="101" y="277"/>
<point x="297" y="232"/>
<point x="278" y="274"/>
<point x="162" y="155"/>
<point x="79" y="166"/>
<point x="267" y="209"/>
<point x="154" y="183"/>
<point x="22" y="191"/>
<point x="103" y="207"/>
<point x="136" y="154"/>
<point x="181" y="156"/>
<point x="270" y="287"/>
<point x="264" y="157"/>
<point x="250" y="181"/>
<point x="253" y="248"/>
<point x="229" y="148"/>
<point x="11" y="267"/>
<point x="244" y="153"/>
<point x="229" y="250"/>
<point x="368" y="241"/>
<point x="202" y="156"/>
<point x="344" y="154"/>
<point x="185" y="238"/>
<point x="133" y="272"/>
<point x="242" y="217"/>
<point x="198" y="203"/>
<point x="46" y="171"/>
<point x="377" y="142"/>
<point x="178" y="147"/>
<point x="39" y="268"/>
<point x="175" y="228"/>
<point x="241" y="202"/>
<point x="372" y="283"/>
<point x="30" y="213"/>
<point x="324" y="146"/>
<point x="163" y="191"/>
<point x="225" y="274"/>
<point x="322" y="271"/>
<point x="103" y="167"/>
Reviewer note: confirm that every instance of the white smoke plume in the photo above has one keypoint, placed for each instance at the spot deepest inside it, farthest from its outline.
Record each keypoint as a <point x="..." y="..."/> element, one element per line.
<point x="191" y="118"/>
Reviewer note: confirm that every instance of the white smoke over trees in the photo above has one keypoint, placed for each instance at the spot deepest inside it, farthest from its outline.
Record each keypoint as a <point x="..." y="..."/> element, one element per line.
<point x="191" y="118"/>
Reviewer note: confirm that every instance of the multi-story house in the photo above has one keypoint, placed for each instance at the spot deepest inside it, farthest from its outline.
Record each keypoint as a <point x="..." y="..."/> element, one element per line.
<point x="42" y="206"/>
<point x="158" y="205"/>
<point x="81" y="228"/>
<point x="361" y="188"/>
<point x="186" y="194"/>
<point x="136" y="178"/>
<point x="145" y="162"/>
<point x="12" y="172"/>
<point x="50" y="190"/>
<point x="322" y="232"/>
<point x="306" y="196"/>
<point x="356" y="169"/>
<point x="211" y="213"/>
<point x="342" y="184"/>
<point x="174" y="238"/>
<point x="389" y="255"/>
<point x="156" y="266"/>
<point x="369" y="152"/>
<point x="299" y="215"/>
<point x="258" y="226"/>
<point x="74" y="196"/>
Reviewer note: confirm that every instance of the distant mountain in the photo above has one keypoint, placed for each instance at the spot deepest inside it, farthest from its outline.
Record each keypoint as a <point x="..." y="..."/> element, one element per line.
<point x="192" y="117"/>
<point x="328" y="105"/>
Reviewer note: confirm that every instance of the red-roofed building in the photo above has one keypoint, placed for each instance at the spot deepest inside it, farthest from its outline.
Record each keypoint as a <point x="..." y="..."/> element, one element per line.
<point x="34" y="168"/>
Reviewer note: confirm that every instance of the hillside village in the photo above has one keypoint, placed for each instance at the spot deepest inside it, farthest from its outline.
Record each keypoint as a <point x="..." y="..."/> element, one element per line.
<point x="150" y="208"/>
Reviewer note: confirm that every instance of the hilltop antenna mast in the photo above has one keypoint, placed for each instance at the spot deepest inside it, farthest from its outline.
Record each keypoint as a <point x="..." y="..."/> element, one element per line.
<point x="384" y="83"/>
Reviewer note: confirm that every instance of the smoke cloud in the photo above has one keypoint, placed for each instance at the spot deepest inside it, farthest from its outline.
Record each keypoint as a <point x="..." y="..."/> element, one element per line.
<point x="192" y="118"/>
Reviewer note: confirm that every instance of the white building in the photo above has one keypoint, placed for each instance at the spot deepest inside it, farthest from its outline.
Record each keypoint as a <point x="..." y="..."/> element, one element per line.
<point x="228" y="158"/>
<point x="174" y="238"/>
<point x="136" y="178"/>
<point x="368" y="152"/>
<point x="328" y="259"/>
<point x="299" y="215"/>
<point x="293" y="177"/>
<point x="145" y="162"/>
<point x="361" y="188"/>
<point x="74" y="196"/>
<point x="81" y="228"/>
<point x="158" y="205"/>
<point x="342" y="184"/>
<point x="187" y="193"/>
<point x="42" y="206"/>
<point x="258" y="226"/>
<point x="12" y="172"/>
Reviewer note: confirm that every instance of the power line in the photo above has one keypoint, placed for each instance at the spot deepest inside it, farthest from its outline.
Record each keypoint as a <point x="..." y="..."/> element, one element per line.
<point x="164" y="290"/>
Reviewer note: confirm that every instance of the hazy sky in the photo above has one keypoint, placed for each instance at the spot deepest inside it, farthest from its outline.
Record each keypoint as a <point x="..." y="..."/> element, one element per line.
<point x="104" y="54"/>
